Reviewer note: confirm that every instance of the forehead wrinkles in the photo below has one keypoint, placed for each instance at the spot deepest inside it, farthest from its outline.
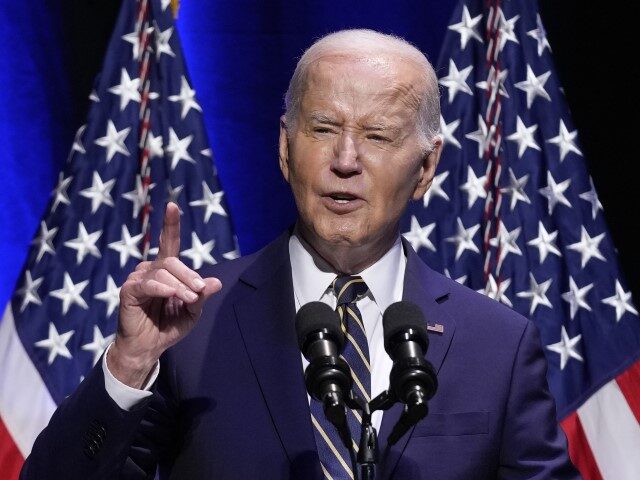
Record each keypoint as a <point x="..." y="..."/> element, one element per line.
<point x="362" y="88"/>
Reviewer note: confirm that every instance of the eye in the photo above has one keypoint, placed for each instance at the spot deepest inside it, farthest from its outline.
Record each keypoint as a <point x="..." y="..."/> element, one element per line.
<point x="322" y="130"/>
<point x="378" y="138"/>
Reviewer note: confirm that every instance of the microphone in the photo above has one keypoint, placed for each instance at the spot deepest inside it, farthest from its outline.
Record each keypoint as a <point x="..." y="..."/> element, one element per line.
<point x="327" y="377"/>
<point x="412" y="379"/>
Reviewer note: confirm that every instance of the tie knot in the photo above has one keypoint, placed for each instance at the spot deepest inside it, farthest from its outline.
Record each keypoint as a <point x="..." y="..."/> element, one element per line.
<point x="349" y="289"/>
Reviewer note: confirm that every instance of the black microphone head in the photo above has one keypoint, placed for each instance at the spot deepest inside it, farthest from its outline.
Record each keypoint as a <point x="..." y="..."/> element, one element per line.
<point x="315" y="316"/>
<point x="400" y="317"/>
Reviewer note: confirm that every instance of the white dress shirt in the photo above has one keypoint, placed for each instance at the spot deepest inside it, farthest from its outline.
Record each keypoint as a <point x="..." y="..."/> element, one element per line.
<point x="312" y="279"/>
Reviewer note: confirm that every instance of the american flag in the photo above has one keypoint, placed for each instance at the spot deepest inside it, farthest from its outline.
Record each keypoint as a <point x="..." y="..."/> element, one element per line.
<point x="144" y="144"/>
<point x="513" y="213"/>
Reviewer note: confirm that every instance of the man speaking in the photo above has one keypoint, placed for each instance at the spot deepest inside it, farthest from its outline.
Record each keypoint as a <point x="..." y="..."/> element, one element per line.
<point x="205" y="377"/>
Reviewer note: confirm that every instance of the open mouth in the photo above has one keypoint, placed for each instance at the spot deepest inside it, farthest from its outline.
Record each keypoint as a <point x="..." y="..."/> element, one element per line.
<point x="342" y="198"/>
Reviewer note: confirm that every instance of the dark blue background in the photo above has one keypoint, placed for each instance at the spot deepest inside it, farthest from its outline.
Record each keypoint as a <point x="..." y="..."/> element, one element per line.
<point x="240" y="56"/>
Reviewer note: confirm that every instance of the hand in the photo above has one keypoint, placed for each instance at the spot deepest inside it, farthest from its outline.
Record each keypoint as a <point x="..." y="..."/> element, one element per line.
<point x="160" y="303"/>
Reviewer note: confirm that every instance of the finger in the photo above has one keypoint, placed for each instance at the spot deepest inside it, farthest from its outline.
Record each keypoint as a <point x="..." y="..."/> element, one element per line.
<point x="170" y="235"/>
<point x="143" y="266"/>
<point x="212" y="285"/>
<point x="183" y="273"/>
<point x="182" y="291"/>
<point x="150" y="288"/>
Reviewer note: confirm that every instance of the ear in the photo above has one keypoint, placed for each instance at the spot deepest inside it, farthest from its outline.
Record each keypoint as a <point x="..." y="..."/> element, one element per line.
<point x="283" y="149"/>
<point x="428" y="169"/>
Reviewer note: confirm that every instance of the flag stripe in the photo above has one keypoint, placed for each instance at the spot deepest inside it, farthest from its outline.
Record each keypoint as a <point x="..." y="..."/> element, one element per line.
<point x="10" y="457"/>
<point x="613" y="433"/>
<point x="629" y="383"/>
<point x="20" y="382"/>
<point x="579" y="449"/>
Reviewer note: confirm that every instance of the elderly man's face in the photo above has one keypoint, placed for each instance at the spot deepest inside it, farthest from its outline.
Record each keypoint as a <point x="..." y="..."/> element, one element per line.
<point x="353" y="159"/>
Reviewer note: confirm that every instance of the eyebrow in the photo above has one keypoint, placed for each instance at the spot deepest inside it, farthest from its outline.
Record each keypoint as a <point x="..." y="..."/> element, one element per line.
<point x="319" y="117"/>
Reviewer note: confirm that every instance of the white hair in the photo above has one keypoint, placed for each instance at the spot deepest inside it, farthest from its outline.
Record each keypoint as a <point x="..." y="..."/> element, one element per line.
<point x="359" y="43"/>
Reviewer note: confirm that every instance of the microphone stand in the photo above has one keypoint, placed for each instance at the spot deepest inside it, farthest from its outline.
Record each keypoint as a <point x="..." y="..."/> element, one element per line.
<point x="367" y="458"/>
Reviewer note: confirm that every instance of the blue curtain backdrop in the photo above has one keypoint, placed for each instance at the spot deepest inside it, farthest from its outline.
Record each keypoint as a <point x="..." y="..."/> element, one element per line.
<point x="240" y="55"/>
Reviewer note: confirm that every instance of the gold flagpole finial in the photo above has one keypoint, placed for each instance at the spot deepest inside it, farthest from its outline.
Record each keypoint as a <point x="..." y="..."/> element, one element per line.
<point x="175" y="6"/>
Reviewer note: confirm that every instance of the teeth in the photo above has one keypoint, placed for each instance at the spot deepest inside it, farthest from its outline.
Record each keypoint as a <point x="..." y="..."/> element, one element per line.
<point x="340" y="200"/>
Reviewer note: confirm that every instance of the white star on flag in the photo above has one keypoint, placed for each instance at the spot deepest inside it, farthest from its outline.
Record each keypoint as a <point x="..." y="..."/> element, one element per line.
<point x="111" y="296"/>
<point x="127" y="246"/>
<point x="576" y="297"/>
<point x="516" y="189"/>
<point x="154" y="145"/>
<point x="506" y="30"/>
<point x="211" y="202"/>
<point x="44" y="240"/>
<point x="537" y="293"/>
<point x="138" y="196"/>
<point x="565" y="140"/>
<point x="199" y="253"/>
<point x="447" y="129"/>
<point x="474" y="187"/>
<point x="506" y="242"/>
<point x="99" y="192"/>
<point x="70" y="293"/>
<point x="84" y="243"/>
<point x="545" y="242"/>
<point x="178" y="148"/>
<point x="467" y="28"/>
<point x="534" y="86"/>
<point x="497" y="291"/>
<point x="495" y="82"/>
<point x="134" y="39"/>
<point x="566" y="347"/>
<point x="29" y="291"/>
<point x="592" y="197"/>
<point x="554" y="192"/>
<point x="436" y="189"/>
<point x="162" y="42"/>
<point x="128" y="90"/>
<point x="56" y="343"/>
<point x="98" y="344"/>
<point x="482" y="136"/>
<point x="621" y="301"/>
<point x="418" y="236"/>
<point x="114" y="140"/>
<point x="60" y="192"/>
<point x="524" y="137"/>
<point x="460" y="280"/>
<point x="77" y="141"/>
<point x="456" y="80"/>
<point x="588" y="247"/>
<point x="186" y="98"/>
<point x="464" y="239"/>
<point x="540" y="36"/>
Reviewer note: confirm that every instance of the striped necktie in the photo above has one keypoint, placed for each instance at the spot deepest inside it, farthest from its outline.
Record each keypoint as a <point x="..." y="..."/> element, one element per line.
<point x="335" y="459"/>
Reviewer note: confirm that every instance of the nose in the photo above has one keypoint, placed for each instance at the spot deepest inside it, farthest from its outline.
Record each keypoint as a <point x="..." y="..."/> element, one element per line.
<point x="346" y="161"/>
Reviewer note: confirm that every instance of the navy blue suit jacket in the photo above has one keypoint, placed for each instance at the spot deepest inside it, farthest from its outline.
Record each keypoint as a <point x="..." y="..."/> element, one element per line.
<point x="230" y="402"/>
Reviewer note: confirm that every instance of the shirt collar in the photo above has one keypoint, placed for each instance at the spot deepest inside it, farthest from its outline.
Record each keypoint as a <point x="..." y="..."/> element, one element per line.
<point x="312" y="275"/>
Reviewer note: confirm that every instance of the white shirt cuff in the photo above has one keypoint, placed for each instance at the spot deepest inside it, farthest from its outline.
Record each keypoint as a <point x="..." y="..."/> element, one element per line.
<point x="125" y="396"/>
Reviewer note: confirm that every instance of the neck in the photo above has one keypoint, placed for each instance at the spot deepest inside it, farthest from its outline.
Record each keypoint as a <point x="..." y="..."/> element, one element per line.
<point x="344" y="258"/>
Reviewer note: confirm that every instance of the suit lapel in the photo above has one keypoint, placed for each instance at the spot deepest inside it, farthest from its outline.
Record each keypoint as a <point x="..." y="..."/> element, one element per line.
<point x="428" y="290"/>
<point x="266" y="319"/>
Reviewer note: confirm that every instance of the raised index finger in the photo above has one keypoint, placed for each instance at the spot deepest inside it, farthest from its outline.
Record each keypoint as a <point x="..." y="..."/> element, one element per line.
<point x="170" y="235"/>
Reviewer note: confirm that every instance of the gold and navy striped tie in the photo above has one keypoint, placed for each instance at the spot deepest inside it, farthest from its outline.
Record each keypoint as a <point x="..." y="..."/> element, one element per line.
<point x="335" y="459"/>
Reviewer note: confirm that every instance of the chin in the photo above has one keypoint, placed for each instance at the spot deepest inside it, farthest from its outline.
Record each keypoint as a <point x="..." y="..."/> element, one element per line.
<point x="342" y="232"/>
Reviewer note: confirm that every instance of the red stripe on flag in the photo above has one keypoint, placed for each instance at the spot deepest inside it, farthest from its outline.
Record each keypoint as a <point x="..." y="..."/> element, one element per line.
<point x="10" y="458"/>
<point x="629" y="383"/>
<point x="579" y="449"/>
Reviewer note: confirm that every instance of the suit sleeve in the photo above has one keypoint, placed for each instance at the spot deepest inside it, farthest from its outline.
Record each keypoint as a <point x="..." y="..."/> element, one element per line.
<point x="533" y="444"/>
<point x="90" y="437"/>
